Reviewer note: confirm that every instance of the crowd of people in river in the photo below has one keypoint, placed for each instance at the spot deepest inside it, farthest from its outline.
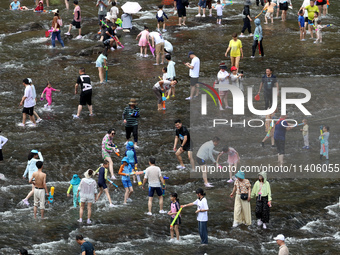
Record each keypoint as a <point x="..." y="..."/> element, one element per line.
<point x="85" y="189"/>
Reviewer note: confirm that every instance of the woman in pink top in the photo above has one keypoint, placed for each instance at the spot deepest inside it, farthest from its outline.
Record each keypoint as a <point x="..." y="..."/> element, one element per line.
<point x="143" y="41"/>
<point x="48" y="90"/>
<point x="76" y="19"/>
<point x="233" y="159"/>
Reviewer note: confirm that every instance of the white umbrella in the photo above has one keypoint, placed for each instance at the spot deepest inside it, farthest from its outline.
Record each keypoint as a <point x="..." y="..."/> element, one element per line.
<point x="131" y="7"/>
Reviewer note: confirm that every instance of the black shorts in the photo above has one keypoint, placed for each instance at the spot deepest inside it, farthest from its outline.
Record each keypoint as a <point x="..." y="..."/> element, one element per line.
<point x="187" y="147"/>
<point x="182" y="12"/>
<point x="76" y="24"/>
<point x="200" y="161"/>
<point x="177" y="222"/>
<point x="28" y="111"/>
<point x="193" y="81"/>
<point x="322" y="3"/>
<point x="103" y="185"/>
<point x="284" y="6"/>
<point x="85" y="98"/>
<point x="306" y="19"/>
<point x="280" y="145"/>
<point x="101" y="17"/>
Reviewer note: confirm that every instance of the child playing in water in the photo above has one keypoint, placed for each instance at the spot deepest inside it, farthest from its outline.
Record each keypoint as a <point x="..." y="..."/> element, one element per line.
<point x="101" y="64"/>
<point x="305" y="134"/>
<point x="160" y="19"/>
<point x="233" y="159"/>
<point x="170" y="74"/>
<point x="15" y="5"/>
<point x="143" y="41"/>
<point x="258" y="37"/>
<point x="102" y="175"/>
<point x="270" y="127"/>
<point x="236" y="78"/>
<point x="270" y="11"/>
<point x="174" y="208"/>
<point x="219" y="8"/>
<point x="75" y="181"/>
<point x="164" y="71"/>
<point x="130" y="153"/>
<point x="318" y="29"/>
<point x="324" y="142"/>
<point x="48" y="91"/>
<point x="40" y="7"/>
<point x="125" y="170"/>
<point x="301" y="22"/>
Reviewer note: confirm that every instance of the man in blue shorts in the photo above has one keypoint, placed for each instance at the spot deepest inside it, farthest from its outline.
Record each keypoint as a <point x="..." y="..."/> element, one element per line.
<point x="154" y="177"/>
<point x="86" y="247"/>
<point x="201" y="4"/>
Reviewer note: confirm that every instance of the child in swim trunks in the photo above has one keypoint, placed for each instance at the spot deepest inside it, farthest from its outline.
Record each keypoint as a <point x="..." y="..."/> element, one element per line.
<point x="160" y="19"/>
<point x="102" y="177"/>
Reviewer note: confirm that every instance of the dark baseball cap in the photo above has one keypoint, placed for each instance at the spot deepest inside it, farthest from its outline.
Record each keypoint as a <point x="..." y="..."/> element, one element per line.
<point x="190" y="53"/>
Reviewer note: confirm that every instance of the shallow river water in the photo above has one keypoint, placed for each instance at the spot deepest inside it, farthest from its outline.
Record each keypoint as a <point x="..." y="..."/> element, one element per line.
<point x="305" y="207"/>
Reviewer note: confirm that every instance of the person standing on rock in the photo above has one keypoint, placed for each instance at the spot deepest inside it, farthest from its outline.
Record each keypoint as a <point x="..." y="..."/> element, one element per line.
<point x="181" y="11"/>
<point x="76" y="19"/>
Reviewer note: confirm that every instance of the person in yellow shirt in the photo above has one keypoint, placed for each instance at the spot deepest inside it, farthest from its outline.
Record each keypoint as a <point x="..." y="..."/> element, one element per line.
<point x="236" y="52"/>
<point x="311" y="9"/>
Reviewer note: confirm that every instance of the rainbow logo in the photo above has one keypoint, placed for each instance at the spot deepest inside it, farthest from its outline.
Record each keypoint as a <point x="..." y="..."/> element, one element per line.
<point x="209" y="93"/>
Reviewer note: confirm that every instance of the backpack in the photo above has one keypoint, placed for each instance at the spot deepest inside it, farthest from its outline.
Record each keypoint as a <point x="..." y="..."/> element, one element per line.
<point x="60" y="22"/>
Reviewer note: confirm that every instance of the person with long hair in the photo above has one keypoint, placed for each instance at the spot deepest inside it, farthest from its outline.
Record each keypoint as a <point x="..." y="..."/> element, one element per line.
<point x="56" y="23"/>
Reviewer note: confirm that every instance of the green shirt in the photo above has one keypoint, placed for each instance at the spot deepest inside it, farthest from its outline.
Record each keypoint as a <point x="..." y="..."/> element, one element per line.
<point x="311" y="10"/>
<point x="265" y="190"/>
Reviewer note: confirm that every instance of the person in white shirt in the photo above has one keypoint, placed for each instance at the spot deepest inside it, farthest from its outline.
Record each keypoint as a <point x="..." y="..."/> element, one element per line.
<point x="157" y="42"/>
<point x="223" y="80"/>
<point x="28" y="102"/>
<point x="202" y="214"/>
<point x="194" y="74"/>
<point x="35" y="99"/>
<point x="154" y="177"/>
<point x="114" y="12"/>
<point x="3" y="140"/>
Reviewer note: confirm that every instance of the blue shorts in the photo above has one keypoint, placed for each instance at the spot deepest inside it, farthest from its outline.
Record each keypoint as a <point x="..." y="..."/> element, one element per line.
<point x="157" y="189"/>
<point x="99" y="64"/>
<point x="127" y="183"/>
<point x="310" y="22"/>
<point x="103" y="185"/>
<point x="202" y="3"/>
<point x="160" y="19"/>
